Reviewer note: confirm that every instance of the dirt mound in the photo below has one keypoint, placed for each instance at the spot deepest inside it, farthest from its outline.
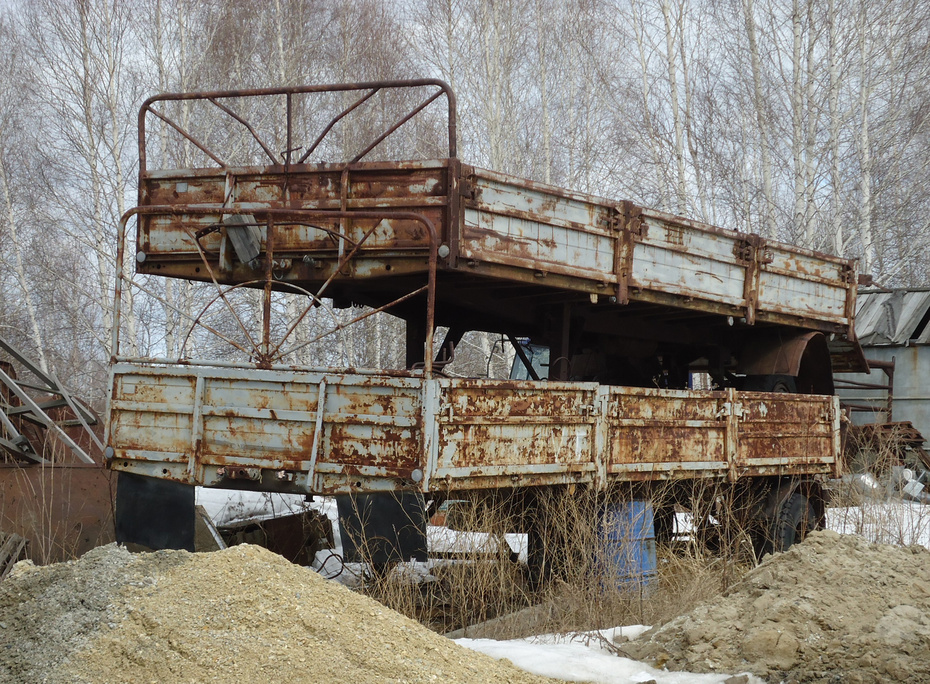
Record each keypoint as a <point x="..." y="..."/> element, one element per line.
<point x="243" y="615"/>
<point x="834" y="608"/>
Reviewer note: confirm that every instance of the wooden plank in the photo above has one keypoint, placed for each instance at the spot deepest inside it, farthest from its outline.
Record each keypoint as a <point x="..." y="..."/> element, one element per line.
<point x="12" y="550"/>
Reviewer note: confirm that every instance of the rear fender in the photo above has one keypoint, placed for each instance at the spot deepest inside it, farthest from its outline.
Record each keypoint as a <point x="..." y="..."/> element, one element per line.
<point x="805" y="357"/>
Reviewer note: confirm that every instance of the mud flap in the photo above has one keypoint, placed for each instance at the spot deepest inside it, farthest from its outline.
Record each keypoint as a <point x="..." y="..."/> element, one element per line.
<point x="155" y="514"/>
<point x="382" y="528"/>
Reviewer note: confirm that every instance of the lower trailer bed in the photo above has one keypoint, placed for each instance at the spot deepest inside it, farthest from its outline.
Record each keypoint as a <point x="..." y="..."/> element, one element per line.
<point x="327" y="432"/>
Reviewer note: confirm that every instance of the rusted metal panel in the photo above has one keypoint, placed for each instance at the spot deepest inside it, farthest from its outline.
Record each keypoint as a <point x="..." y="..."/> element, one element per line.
<point x="550" y="231"/>
<point x="537" y="228"/>
<point x="799" y="283"/>
<point x="678" y="258"/>
<point x="208" y="425"/>
<point x="666" y="432"/>
<point x="492" y="430"/>
<point x="176" y="243"/>
<point x="63" y="509"/>
<point x="797" y="431"/>
<point x="675" y="433"/>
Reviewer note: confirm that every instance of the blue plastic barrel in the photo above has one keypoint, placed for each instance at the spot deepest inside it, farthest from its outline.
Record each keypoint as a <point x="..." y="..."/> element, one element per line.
<point x="628" y="533"/>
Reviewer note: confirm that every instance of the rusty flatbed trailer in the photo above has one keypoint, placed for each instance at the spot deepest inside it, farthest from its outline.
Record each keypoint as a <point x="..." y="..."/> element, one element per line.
<point x="270" y="429"/>
<point x="475" y="248"/>
<point x="631" y="302"/>
<point x="489" y="228"/>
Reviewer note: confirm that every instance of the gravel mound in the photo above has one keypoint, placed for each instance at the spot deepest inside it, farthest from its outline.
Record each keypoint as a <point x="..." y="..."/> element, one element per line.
<point x="239" y="615"/>
<point x="832" y="609"/>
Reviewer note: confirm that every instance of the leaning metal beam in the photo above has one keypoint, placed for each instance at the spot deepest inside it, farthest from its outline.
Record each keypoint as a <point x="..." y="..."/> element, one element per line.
<point x="52" y="385"/>
<point x="44" y="418"/>
<point x="35" y="412"/>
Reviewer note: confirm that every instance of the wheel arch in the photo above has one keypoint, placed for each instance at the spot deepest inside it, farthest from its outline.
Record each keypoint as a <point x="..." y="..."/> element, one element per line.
<point x="804" y="356"/>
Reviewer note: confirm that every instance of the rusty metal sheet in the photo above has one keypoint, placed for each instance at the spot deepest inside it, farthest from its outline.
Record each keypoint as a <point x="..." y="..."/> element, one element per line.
<point x="537" y="228"/>
<point x="492" y="429"/>
<point x="268" y="429"/>
<point x="170" y="243"/>
<point x="737" y="433"/>
<point x="681" y="260"/>
<point x="64" y="510"/>
<point x="656" y="430"/>
<point x="784" y="429"/>
<point x="207" y="425"/>
<point x="553" y="232"/>
<point x="803" y="284"/>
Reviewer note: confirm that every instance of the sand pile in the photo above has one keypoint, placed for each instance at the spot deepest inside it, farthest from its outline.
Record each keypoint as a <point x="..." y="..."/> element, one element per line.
<point x="240" y="615"/>
<point x="833" y="609"/>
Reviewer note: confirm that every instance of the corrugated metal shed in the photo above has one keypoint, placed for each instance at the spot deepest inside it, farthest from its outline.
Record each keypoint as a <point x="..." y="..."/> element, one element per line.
<point x="893" y="327"/>
<point x="893" y="318"/>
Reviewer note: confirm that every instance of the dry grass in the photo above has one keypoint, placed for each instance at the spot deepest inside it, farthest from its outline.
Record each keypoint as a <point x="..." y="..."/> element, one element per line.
<point x="587" y="588"/>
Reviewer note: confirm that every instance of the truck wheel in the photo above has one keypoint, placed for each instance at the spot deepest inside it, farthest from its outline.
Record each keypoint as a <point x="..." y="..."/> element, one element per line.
<point x="664" y="523"/>
<point x="770" y="383"/>
<point x="795" y="519"/>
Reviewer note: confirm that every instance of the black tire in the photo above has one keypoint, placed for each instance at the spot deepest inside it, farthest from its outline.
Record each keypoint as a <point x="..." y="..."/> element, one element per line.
<point x="664" y="524"/>
<point x="795" y="519"/>
<point x="770" y="383"/>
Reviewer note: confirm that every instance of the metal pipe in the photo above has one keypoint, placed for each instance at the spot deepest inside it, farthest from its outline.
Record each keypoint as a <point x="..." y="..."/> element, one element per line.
<point x="361" y="317"/>
<point x="381" y="138"/>
<point x="332" y="123"/>
<point x="248" y="127"/>
<point x="283" y="214"/>
<point x="212" y="96"/>
<point x="319" y="294"/>
<point x="201" y="146"/>
<point x="216" y="363"/>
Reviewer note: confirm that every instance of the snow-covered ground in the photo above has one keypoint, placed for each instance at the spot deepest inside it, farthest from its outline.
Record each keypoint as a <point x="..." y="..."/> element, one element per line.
<point x="572" y="658"/>
<point x="905" y="523"/>
<point x="584" y="658"/>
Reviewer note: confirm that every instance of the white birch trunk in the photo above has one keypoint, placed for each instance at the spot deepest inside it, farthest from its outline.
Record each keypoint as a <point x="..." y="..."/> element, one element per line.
<point x="768" y="195"/>
<point x="542" y="59"/>
<point x="681" y="201"/>
<point x="20" y="268"/>
<point x="658" y="164"/>
<point x="863" y="144"/>
<point x="691" y="136"/>
<point x="836" y="223"/>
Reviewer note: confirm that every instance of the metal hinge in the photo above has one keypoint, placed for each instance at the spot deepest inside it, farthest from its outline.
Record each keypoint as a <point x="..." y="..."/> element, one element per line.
<point x="589" y="410"/>
<point x="447" y="411"/>
<point x="746" y="250"/>
<point x="728" y="409"/>
<point x="633" y="219"/>
<point x="468" y="188"/>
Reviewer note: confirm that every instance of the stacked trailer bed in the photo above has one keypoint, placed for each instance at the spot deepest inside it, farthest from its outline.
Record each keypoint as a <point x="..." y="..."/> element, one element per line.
<point x="441" y="243"/>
